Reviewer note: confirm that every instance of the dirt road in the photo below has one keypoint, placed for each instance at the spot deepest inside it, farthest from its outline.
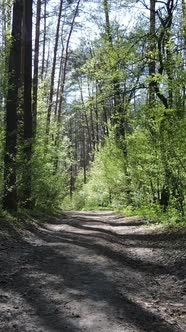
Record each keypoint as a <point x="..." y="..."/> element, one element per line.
<point x="93" y="271"/>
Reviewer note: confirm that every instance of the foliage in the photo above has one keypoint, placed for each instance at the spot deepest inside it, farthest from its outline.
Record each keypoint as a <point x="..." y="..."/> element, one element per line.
<point x="48" y="186"/>
<point x="105" y="180"/>
<point x="110" y="122"/>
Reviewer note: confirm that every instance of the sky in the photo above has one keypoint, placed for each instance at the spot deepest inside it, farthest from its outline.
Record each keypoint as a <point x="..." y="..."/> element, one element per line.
<point x="90" y="11"/>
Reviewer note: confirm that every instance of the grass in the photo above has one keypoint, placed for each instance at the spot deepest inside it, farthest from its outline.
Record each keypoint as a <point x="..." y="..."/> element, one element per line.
<point x="154" y="213"/>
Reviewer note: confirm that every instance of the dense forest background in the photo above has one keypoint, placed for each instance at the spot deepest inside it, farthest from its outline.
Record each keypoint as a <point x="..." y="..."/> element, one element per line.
<point x="92" y="105"/>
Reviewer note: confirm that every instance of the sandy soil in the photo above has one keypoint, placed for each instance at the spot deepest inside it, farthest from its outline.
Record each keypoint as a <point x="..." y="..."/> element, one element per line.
<point x="93" y="271"/>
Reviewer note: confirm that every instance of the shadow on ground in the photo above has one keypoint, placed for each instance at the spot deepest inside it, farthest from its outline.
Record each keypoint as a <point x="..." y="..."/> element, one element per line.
<point x="81" y="278"/>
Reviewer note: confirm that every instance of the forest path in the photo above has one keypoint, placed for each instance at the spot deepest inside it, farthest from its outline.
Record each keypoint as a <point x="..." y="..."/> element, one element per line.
<point x="93" y="271"/>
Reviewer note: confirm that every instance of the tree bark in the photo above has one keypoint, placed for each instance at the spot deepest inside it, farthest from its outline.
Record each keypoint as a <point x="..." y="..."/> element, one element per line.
<point x="53" y="71"/>
<point x="27" y="111"/>
<point x="66" y="58"/>
<point x="14" y="84"/>
<point x="152" y="48"/>
<point x="107" y="21"/>
<point x="44" y="40"/>
<point x="63" y="79"/>
<point x="36" y="65"/>
<point x="184" y="46"/>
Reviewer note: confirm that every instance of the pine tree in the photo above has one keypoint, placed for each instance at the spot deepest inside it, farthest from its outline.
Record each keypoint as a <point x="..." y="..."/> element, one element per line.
<point x="13" y="102"/>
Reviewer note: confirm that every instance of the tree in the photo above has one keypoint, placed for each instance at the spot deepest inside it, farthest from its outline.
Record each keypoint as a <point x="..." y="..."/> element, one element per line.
<point x="19" y="101"/>
<point x="13" y="102"/>
<point x="152" y="51"/>
<point x="36" y="65"/>
<point x="27" y="106"/>
<point x="53" y="70"/>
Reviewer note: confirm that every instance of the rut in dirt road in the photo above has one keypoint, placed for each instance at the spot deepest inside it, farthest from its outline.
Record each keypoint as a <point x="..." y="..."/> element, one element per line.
<point x="94" y="271"/>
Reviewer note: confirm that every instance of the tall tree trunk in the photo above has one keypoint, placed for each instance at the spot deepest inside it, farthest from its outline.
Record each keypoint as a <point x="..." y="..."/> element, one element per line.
<point x="152" y="48"/>
<point x="83" y="153"/>
<point x="63" y="79"/>
<point x="59" y="83"/>
<point x="184" y="46"/>
<point x="14" y="83"/>
<point x="44" y="39"/>
<point x="91" y="142"/>
<point x="184" y="24"/>
<point x="107" y="21"/>
<point x="36" y="64"/>
<point x="118" y="116"/>
<point x="27" y="111"/>
<point x="66" y="58"/>
<point x="53" y="71"/>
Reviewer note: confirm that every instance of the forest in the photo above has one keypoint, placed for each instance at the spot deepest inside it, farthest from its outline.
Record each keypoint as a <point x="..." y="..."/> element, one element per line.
<point x="92" y="106"/>
<point x="93" y="165"/>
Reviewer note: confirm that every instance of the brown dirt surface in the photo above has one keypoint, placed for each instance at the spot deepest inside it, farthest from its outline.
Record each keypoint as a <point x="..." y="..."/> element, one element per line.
<point x="93" y="271"/>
